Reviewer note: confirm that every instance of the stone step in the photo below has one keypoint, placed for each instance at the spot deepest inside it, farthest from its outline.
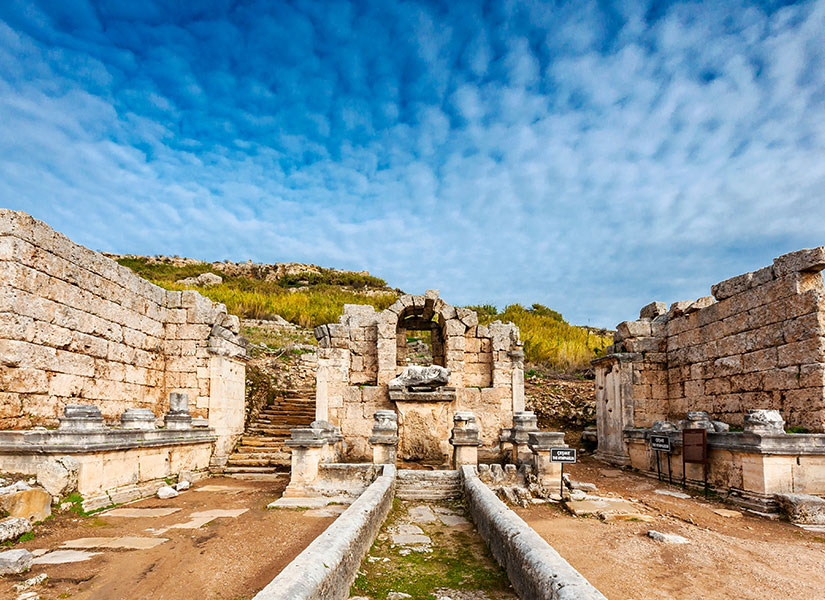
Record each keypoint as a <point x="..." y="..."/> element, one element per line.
<point x="237" y="470"/>
<point x="276" y="446"/>
<point x="267" y="476"/>
<point x="268" y="461"/>
<point x="428" y="496"/>
<point x="264" y="440"/>
<point x="428" y="485"/>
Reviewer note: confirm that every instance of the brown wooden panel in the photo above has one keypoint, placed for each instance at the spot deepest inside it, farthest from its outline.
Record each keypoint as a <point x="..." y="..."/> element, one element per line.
<point x="695" y="446"/>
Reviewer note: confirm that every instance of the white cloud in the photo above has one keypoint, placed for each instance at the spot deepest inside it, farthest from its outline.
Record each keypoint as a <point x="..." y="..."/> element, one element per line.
<point x="530" y="156"/>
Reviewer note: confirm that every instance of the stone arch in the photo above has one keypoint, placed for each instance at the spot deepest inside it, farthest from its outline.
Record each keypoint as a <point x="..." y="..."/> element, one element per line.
<point x="452" y="325"/>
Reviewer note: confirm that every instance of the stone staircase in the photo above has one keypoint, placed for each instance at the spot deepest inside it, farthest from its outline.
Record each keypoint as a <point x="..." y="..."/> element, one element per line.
<point x="428" y="485"/>
<point x="261" y="452"/>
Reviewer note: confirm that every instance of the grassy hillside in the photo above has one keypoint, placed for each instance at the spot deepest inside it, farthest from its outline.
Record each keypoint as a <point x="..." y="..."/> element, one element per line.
<point x="310" y="299"/>
<point x="548" y="339"/>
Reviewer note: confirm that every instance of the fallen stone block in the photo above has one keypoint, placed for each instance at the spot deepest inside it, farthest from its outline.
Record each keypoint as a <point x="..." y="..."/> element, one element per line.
<point x="167" y="492"/>
<point x="583" y="485"/>
<point x="667" y="538"/>
<point x="12" y="528"/>
<point x="59" y="476"/>
<point x="182" y="486"/>
<point x="802" y="508"/>
<point x="31" y="582"/>
<point x="33" y="504"/>
<point x="15" y="561"/>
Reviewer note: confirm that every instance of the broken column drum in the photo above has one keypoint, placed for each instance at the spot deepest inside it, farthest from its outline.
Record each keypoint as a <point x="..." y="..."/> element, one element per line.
<point x="178" y="416"/>
<point x="384" y="438"/>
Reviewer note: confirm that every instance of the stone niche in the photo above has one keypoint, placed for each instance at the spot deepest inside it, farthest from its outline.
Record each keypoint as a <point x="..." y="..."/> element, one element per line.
<point x="361" y="354"/>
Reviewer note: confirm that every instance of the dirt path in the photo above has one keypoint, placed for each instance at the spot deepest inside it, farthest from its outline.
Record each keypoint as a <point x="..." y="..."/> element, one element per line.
<point x="430" y="550"/>
<point x="744" y="557"/>
<point x="229" y="557"/>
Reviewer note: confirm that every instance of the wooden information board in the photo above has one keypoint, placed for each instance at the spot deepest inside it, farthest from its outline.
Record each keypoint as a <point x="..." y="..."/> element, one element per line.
<point x="695" y="451"/>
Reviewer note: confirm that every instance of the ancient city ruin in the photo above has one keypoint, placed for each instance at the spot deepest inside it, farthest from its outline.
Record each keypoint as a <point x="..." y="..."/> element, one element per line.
<point x="115" y="389"/>
<point x="752" y="355"/>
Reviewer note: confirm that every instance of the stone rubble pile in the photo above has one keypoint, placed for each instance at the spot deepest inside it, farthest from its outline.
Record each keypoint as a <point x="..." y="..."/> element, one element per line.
<point x="570" y="404"/>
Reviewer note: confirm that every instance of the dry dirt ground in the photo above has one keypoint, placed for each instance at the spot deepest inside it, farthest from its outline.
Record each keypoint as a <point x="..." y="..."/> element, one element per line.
<point x="224" y="559"/>
<point x="745" y="557"/>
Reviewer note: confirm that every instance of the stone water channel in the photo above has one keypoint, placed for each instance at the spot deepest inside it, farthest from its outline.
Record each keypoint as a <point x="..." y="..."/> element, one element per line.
<point x="428" y="551"/>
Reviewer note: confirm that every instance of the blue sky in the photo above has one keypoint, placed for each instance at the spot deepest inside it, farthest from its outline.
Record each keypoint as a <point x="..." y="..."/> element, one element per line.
<point x="586" y="155"/>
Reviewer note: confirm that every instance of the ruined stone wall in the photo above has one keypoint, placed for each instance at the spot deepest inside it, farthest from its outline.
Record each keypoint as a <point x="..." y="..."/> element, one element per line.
<point x="78" y="328"/>
<point x="758" y="342"/>
<point x="357" y="358"/>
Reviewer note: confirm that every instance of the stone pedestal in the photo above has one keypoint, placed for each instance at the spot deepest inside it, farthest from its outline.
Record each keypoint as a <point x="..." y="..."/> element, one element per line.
<point x="307" y="445"/>
<point x="524" y="423"/>
<point x="137" y="418"/>
<point x="548" y="473"/>
<point x="178" y="416"/>
<point x="81" y="417"/>
<point x="424" y="421"/>
<point x="384" y="439"/>
<point x="464" y="439"/>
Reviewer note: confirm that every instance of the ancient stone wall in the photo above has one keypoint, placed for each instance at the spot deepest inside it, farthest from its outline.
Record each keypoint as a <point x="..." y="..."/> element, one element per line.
<point x="757" y="342"/>
<point x="78" y="328"/>
<point x="358" y="356"/>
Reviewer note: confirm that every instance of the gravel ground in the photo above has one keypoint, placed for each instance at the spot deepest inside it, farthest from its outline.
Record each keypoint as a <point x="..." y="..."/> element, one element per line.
<point x="744" y="557"/>
<point x="227" y="558"/>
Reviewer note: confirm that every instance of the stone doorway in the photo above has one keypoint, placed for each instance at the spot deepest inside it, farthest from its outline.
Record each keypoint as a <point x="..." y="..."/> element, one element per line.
<point x="419" y="338"/>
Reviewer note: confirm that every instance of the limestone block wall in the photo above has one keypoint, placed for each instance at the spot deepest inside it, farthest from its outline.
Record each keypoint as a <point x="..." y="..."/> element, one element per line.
<point x="757" y="342"/>
<point x="357" y="358"/>
<point x="76" y="327"/>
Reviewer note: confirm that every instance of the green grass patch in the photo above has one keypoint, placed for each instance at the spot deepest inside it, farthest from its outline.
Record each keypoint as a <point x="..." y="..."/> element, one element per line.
<point x="459" y="561"/>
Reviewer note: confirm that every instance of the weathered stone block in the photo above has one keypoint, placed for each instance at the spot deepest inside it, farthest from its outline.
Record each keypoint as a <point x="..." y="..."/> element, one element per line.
<point x="808" y="259"/>
<point x="653" y="310"/>
<point x="15" y="561"/>
<point x="802" y="508"/>
<point x="632" y="329"/>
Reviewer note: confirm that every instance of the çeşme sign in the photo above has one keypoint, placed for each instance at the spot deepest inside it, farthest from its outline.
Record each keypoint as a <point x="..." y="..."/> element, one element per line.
<point x="563" y="455"/>
<point x="660" y="442"/>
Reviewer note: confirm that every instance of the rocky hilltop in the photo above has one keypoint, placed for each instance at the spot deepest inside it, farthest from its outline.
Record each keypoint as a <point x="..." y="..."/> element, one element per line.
<point x="249" y="270"/>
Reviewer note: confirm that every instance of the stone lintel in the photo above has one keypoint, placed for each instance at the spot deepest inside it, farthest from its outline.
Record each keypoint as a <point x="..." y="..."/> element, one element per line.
<point x="444" y="394"/>
<point x="543" y="441"/>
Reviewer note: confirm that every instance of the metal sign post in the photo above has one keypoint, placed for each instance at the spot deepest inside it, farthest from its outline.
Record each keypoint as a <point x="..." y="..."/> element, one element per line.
<point x="661" y="443"/>
<point x="695" y="451"/>
<point x="562" y="456"/>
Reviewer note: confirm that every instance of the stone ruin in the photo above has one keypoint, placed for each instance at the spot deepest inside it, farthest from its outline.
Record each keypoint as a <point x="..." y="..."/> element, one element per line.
<point x="475" y="368"/>
<point x="465" y="409"/>
<point x="115" y="361"/>
<point x="751" y="356"/>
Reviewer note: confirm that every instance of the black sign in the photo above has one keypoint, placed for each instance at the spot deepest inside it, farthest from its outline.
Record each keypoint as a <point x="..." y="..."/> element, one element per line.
<point x="660" y="442"/>
<point x="563" y="455"/>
